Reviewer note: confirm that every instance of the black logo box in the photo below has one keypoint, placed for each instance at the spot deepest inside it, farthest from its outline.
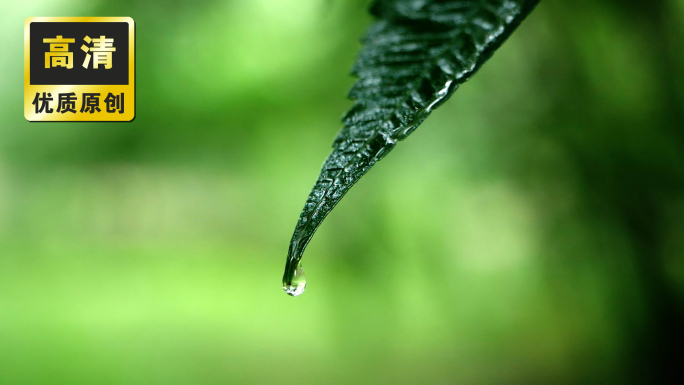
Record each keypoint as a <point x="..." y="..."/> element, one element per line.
<point x="78" y="75"/>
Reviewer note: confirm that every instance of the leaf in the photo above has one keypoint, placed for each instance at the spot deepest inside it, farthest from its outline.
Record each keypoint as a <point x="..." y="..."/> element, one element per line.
<point x="416" y="55"/>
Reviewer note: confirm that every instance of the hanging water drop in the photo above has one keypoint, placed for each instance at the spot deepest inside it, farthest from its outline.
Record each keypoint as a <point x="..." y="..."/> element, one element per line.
<point x="298" y="283"/>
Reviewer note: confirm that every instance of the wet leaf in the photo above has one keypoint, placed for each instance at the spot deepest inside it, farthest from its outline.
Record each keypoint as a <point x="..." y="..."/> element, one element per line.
<point x="416" y="54"/>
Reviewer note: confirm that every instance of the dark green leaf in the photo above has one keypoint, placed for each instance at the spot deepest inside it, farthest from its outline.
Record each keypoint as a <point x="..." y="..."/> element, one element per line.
<point x="416" y="55"/>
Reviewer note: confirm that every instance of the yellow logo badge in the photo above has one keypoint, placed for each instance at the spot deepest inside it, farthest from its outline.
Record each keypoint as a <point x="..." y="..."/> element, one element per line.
<point x="79" y="69"/>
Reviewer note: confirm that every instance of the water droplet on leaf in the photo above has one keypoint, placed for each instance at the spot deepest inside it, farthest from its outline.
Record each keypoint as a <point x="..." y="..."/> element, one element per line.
<point x="298" y="283"/>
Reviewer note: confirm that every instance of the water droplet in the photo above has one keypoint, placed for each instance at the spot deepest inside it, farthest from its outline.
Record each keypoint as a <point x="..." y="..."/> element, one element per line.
<point x="298" y="283"/>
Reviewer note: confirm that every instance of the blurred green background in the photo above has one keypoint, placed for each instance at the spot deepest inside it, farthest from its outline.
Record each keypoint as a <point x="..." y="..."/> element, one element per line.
<point x="531" y="231"/>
